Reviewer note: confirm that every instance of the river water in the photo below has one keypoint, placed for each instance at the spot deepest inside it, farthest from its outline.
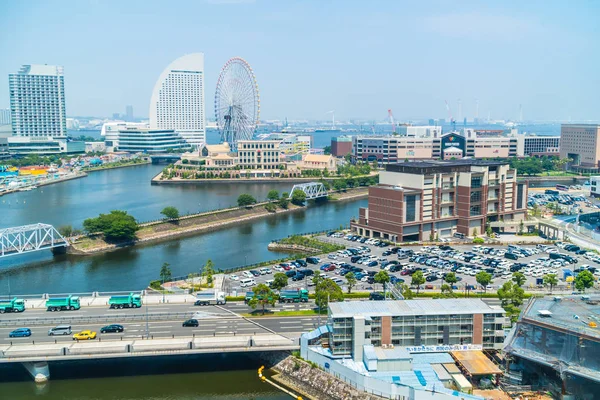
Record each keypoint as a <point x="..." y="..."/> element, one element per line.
<point x="133" y="268"/>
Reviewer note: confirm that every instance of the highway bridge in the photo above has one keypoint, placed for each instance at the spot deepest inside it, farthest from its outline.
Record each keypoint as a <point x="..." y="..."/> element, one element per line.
<point x="153" y="330"/>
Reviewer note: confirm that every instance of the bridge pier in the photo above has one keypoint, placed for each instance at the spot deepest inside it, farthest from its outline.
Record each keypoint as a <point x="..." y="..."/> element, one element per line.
<point x="40" y="371"/>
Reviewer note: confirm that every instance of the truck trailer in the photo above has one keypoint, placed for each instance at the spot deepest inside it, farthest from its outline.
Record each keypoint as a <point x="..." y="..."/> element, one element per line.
<point x="129" y="301"/>
<point x="63" y="303"/>
<point x="14" y="305"/>
<point x="210" y="298"/>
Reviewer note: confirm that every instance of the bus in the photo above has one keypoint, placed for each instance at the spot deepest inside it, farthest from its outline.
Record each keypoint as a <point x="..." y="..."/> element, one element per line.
<point x="562" y="187"/>
<point x="552" y="192"/>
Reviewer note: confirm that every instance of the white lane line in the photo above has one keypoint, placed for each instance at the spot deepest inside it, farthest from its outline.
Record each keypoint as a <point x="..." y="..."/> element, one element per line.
<point x="289" y="322"/>
<point x="156" y="333"/>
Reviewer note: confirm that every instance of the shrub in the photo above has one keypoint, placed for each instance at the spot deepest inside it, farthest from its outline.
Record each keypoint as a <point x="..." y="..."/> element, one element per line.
<point x="478" y="240"/>
<point x="270" y="207"/>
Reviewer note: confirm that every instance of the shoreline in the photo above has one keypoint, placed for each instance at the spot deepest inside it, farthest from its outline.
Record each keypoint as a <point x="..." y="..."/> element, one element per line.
<point x="157" y="181"/>
<point x="175" y="231"/>
<point x="116" y="167"/>
<point x="48" y="182"/>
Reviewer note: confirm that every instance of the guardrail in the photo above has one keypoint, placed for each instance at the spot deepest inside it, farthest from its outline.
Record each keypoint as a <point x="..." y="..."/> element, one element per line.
<point x="61" y="320"/>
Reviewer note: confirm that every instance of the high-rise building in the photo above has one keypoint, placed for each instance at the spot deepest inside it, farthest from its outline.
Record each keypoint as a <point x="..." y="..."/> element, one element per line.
<point x="129" y="113"/>
<point x="37" y="102"/>
<point x="178" y="99"/>
<point x="581" y="144"/>
<point x="5" y="116"/>
<point x="341" y="145"/>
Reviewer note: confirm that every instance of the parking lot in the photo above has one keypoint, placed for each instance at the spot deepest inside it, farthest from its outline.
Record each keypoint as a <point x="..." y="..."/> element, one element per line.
<point x="465" y="260"/>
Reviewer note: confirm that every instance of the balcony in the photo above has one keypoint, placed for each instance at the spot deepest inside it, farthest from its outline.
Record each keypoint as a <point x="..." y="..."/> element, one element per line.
<point x="448" y="186"/>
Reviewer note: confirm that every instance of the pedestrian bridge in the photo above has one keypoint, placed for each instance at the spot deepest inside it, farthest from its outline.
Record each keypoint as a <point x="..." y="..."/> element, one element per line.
<point x="35" y="357"/>
<point x="30" y="238"/>
<point x="313" y="190"/>
<point x="164" y="158"/>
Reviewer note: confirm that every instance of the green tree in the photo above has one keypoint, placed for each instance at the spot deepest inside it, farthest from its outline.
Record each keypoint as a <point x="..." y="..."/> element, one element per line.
<point x="584" y="280"/>
<point x="382" y="277"/>
<point x="208" y="271"/>
<point x="521" y="228"/>
<point x="270" y="207"/>
<point x="283" y="202"/>
<point x="245" y="200"/>
<point x="550" y="280"/>
<point x="116" y="226"/>
<point x="511" y="297"/>
<point x="316" y="279"/>
<point x="406" y="292"/>
<point x="339" y="184"/>
<point x="348" y="157"/>
<point x="351" y="280"/>
<point x="519" y="279"/>
<point x="170" y="212"/>
<point x="450" y="279"/>
<point x="280" y="280"/>
<point x="488" y="231"/>
<point x="327" y="150"/>
<point x="165" y="272"/>
<point x="478" y="240"/>
<point x="65" y="230"/>
<point x="446" y="292"/>
<point x="484" y="279"/>
<point x="263" y="296"/>
<point x="298" y="197"/>
<point x="273" y="195"/>
<point x="326" y="291"/>
<point x="417" y="280"/>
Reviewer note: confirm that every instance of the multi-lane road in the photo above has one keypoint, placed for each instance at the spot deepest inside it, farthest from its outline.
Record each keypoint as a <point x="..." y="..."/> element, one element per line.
<point x="156" y="321"/>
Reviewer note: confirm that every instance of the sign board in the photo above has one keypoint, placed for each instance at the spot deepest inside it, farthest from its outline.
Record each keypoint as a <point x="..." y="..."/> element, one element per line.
<point x="443" y="348"/>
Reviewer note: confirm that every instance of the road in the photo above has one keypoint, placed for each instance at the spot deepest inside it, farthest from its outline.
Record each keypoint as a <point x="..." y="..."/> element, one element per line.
<point x="163" y="321"/>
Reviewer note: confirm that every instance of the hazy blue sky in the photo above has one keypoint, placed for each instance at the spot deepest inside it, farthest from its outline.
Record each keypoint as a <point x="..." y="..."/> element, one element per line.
<point x="357" y="57"/>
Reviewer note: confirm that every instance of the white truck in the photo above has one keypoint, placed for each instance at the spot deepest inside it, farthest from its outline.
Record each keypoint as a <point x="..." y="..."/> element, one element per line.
<point x="210" y="298"/>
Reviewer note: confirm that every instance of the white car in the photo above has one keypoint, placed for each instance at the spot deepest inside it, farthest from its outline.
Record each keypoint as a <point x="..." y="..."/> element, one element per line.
<point x="264" y="271"/>
<point x="248" y="274"/>
<point x="234" y="277"/>
<point x="279" y="268"/>
<point x="332" y="257"/>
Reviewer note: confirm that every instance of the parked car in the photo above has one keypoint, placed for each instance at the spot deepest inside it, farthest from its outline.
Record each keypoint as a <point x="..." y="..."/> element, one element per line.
<point x="21" y="332"/>
<point x="376" y="296"/>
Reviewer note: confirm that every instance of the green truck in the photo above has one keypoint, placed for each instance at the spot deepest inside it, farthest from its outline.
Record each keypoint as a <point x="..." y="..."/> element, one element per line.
<point x="129" y="301"/>
<point x="63" y="303"/>
<point x="293" y="296"/>
<point x="14" y="305"/>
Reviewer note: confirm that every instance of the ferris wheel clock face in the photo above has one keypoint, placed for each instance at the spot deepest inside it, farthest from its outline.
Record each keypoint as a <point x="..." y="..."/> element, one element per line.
<point x="237" y="102"/>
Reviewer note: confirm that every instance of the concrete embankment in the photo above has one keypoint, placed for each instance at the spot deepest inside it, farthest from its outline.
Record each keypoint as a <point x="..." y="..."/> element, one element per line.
<point x="192" y="225"/>
<point x="313" y="383"/>
<point x="49" y="182"/>
<point x="96" y="169"/>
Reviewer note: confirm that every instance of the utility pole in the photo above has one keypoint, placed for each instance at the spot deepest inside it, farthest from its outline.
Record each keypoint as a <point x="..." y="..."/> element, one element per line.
<point x="147" y="318"/>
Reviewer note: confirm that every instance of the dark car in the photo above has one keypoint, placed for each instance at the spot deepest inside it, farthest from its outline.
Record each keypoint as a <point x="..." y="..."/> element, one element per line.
<point x="307" y="272"/>
<point x="386" y="253"/>
<point x="312" y="260"/>
<point x="190" y="323"/>
<point x="298" y="276"/>
<point x="290" y="273"/>
<point x="21" y="332"/>
<point x="114" y="328"/>
<point x="301" y="262"/>
<point x="254" y="272"/>
<point x="376" y="296"/>
<point x="372" y="264"/>
<point x="431" y="278"/>
<point x="355" y="258"/>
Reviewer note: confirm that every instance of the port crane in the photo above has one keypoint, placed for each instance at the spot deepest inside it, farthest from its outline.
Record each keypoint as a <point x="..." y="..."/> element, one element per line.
<point x="392" y="120"/>
<point x="452" y="121"/>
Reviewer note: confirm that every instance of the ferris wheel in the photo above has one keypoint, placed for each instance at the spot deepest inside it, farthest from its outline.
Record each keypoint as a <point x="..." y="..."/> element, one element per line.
<point x="237" y="102"/>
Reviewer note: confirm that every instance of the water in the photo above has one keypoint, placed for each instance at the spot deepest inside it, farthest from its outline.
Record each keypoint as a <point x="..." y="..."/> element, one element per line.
<point x="133" y="268"/>
<point x="228" y="377"/>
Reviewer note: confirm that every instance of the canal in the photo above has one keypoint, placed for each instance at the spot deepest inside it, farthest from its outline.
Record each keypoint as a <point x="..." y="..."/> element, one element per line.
<point x="227" y="377"/>
<point x="132" y="268"/>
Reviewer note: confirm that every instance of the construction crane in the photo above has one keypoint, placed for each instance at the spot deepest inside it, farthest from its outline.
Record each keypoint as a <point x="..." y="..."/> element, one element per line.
<point x="452" y="121"/>
<point x="392" y="120"/>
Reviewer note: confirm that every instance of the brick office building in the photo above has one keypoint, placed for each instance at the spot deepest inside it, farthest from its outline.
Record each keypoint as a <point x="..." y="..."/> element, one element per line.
<point x="419" y="200"/>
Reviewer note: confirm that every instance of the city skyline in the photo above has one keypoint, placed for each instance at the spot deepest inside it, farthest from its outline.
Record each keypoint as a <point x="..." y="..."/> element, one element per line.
<point x="356" y="58"/>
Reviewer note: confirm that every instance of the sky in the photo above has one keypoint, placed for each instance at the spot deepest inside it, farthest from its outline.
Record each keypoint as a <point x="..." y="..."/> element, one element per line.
<point x="359" y="58"/>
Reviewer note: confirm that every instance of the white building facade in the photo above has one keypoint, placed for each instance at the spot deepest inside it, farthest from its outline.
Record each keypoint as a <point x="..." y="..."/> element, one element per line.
<point x="178" y="99"/>
<point x="5" y="116"/>
<point x="37" y="102"/>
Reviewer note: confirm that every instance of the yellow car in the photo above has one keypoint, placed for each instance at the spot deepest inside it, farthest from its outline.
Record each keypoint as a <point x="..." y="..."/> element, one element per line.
<point x="84" y="335"/>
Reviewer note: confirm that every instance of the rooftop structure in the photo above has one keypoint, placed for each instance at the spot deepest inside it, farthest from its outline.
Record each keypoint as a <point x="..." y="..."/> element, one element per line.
<point x="557" y="340"/>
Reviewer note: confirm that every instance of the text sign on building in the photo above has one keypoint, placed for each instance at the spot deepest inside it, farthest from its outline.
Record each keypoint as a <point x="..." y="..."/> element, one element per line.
<point x="443" y="348"/>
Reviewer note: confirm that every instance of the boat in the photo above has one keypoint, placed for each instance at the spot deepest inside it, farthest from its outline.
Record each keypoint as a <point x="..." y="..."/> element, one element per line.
<point x="27" y="188"/>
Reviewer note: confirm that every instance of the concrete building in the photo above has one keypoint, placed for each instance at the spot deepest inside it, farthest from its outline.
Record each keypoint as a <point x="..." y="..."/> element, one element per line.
<point x="391" y="149"/>
<point x="37" y="102"/>
<point x="146" y="140"/>
<point x="41" y="145"/>
<point x="93" y="147"/>
<point x="415" y="201"/>
<point x="177" y="101"/>
<point x="5" y="116"/>
<point x="259" y="154"/>
<point x="341" y="145"/>
<point x="419" y="131"/>
<point x="4" y="153"/>
<point x="555" y="345"/>
<point x="538" y="145"/>
<point x="317" y="161"/>
<point x="581" y="144"/>
<point x="291" y="143"/>
<point x="110" y="132"/>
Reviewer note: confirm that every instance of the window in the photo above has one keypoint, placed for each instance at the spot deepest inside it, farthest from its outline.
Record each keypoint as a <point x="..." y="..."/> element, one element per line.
<point x="475" y="197"/>
<point x="476" y="182"/>
<point x="411" y="205"/>
<point x="475" y="210"/>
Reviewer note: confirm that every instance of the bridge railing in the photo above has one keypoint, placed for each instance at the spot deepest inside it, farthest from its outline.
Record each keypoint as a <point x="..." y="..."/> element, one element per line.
<point x="124" y="317"/>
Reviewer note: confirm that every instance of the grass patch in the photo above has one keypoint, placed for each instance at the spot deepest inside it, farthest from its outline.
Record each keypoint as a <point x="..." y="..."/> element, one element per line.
<point x="312" y="243"/>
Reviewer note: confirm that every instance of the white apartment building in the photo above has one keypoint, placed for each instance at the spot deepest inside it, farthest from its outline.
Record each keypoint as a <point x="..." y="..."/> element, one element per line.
<point x="178" y="99"/>
<point x="37" y="101"/>
<point x="110" y="132"/>
<point x="420" y="131"/>
<point x="151" y="141"/>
